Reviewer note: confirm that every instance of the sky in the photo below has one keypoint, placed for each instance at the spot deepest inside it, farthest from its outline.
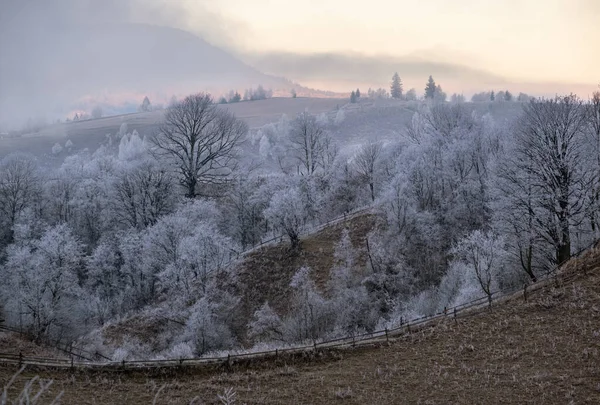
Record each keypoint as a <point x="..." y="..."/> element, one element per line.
<point x="55" y="53"/>
<point x="542" y="40"/>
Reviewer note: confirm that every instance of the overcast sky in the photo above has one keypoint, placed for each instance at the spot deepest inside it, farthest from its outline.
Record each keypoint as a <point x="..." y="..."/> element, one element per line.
<point x="55" y="51"/>
<point x="545" y="40"/>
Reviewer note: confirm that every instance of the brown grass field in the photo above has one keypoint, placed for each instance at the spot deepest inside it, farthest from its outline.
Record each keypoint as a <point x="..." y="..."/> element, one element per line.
<point x="543" y="351"/>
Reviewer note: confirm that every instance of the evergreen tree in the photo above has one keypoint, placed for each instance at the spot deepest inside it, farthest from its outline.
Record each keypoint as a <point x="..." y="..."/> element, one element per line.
<point x="146" y="105"/>
<point x="353" y="97"/>
<point x="357" y="94"/>
<point x="492" y="96"/>
<point x="430" y="88"/>
<point x="508" y="96"/>
<point x="396" y="86"/>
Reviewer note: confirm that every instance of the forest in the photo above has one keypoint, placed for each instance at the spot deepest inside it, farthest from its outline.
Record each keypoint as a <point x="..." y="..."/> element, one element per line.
<point x="464" y="204"/>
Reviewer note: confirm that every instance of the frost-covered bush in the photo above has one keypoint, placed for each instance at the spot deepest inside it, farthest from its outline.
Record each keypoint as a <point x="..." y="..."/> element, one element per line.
<point x="310" y="317"/>
<point x="266" y="325"/>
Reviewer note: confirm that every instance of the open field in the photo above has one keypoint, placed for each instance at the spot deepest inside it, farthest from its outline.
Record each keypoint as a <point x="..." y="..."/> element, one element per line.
<point x="542" y="351"/>
<point x="92" y="133"/>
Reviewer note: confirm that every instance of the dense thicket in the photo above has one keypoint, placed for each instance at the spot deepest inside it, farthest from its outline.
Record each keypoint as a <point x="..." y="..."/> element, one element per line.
<point x="465" y="204"/>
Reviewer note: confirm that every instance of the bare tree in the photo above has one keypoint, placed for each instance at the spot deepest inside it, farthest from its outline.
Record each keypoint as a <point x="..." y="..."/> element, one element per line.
<point x="482" y="253"/>
<point x="365" y="163"/>
<point x="143" y="195"/>
<point x="18" y="184"/>
<point x="594" y="120"/>
<point x="200" y="141"/>
<point x="550" y="142"/>
<point x="310" y="143"/>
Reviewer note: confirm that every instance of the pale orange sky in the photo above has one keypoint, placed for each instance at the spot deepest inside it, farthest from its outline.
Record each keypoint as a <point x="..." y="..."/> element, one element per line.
<point x="542" y="40"/>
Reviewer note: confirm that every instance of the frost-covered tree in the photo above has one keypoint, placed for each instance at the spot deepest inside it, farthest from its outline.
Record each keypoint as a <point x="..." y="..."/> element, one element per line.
<point x="482" y="253"/>
<point x="245" y="203"/>
<point x="18" y="189"/>
<point x="209" y="324"/>
<point x="287" y="211"/>
<point x="310" y="143"/>
<point x="42" y="282"/>
<point x="143" y="194"/>
<point x="457" y="98"/>
<point x="551" y="155"/>
<point x="365" y="163"/>
<point x="349" y="298"/>
<point x="411" y="95"/>
<point x="200" y="141"/>
<point x="56" y="148"/>
<point x="310" y="317"/>
<point x="340" y="116"/>
<point x="266" y="325"/>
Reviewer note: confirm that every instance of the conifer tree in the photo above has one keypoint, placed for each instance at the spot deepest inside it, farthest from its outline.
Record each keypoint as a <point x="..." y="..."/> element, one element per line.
<point x="396" y="86"/>
<point x="430" y="88"/>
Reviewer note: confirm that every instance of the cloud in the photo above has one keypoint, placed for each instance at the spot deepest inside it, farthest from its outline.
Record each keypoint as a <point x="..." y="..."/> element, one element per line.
<point x="369" y="70"/>
<point x="54" y="52"/>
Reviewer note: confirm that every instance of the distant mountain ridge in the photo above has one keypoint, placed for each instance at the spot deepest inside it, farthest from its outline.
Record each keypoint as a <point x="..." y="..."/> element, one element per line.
<point x="77" y="66"/>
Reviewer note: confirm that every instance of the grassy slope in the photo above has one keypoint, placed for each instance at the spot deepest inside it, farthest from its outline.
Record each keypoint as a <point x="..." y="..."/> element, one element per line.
<point x="264" y="275"/>
<point x="546" y="350"/>
<point x="92" y="133"/>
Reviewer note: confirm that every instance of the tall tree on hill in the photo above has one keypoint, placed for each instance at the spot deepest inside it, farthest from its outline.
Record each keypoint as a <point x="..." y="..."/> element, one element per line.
<point x="353" y="97"/>
<point x="365" y="164"/>
<point x="550" y="152"/>
<point x="199" y="140"/>
<point x="18" y="189"/>
<point x="310" y="143"/>
<point x="594" y="119"/>
<point x="430" y="88"/>
<point x="396" y="87"/>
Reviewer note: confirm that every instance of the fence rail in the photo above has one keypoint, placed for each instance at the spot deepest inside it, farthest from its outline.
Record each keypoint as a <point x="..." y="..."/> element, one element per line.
<point x="461" y="311"/>
<point x="457" y="312"/>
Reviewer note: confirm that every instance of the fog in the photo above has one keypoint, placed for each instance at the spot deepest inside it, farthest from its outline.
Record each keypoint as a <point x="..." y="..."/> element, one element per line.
<point x="63" y="56"/>
<point x="60" y="57"/>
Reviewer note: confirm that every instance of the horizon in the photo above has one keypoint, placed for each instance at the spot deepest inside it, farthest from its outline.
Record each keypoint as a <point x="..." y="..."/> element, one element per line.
<point x="468" y="47"/>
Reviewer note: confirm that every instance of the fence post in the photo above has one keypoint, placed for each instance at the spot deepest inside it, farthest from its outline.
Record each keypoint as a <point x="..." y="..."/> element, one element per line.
<point x="276" y="353"/>
<point x="408" y="327"/>
<point x="525" y="292"/>
<point x="387" y="338"/>
<point x="455" y="320"/>
<point x="123" y="363"/>
<point x="71" y="362"/>
<point x="401" y="320"/>
<point x="445" y="311"/>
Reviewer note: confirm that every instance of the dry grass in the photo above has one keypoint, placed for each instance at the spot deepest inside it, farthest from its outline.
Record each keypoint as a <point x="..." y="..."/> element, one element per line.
<point x="543" y="351"/>
<point x="266" y="273"/>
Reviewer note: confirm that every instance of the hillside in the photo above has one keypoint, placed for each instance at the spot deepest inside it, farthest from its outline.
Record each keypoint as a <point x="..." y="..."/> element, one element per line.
<point x="263" y="275"/>
<point x="543" y="350"/>
<point x="92" y="133"/>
